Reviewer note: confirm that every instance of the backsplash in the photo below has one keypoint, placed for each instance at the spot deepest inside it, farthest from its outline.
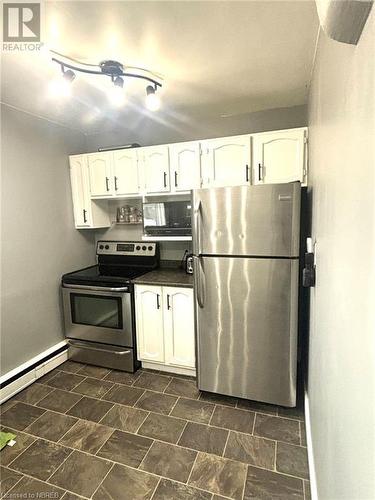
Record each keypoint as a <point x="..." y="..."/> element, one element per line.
<point x="169" y="250"/>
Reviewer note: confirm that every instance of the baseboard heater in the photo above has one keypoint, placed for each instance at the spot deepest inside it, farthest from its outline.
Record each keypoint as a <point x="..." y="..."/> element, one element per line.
<point x="35" y="369"/>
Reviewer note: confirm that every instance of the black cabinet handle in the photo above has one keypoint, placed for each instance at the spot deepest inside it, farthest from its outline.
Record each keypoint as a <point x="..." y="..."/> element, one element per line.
<point x="116" y="183"/>
<point x="168" y="303"/>
<point x="247" y="173"/>
<point x="259" y="171"/>
<point x="157" y="301"/>
<point x="84" y="215"/>
<point x="165" y="179"/>
<point x="107" y="183"/>
<point x="175" y="179"/>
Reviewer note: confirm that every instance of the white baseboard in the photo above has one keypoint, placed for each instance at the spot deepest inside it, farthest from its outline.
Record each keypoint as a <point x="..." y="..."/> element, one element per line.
<point x="169" y="369"/>
<point x="310" y="453"/>
<point x="31" y="376"/>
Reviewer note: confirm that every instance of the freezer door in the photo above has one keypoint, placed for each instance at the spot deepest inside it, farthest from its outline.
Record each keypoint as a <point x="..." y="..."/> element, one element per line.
<point x="259" y="220"/>
<point x="246" y="325"/>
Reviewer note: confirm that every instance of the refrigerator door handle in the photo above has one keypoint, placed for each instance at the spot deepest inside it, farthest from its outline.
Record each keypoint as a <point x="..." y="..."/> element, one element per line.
<point x="197" y="226"/>
<point x="199" y="281"/>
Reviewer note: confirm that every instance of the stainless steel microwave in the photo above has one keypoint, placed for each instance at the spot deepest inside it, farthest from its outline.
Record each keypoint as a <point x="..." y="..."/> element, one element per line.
<point x="167" y="218"/>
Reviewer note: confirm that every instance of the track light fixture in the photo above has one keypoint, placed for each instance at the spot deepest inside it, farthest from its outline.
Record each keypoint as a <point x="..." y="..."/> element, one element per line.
<point x="61" y="86"/>
<point x="112" y="69"/>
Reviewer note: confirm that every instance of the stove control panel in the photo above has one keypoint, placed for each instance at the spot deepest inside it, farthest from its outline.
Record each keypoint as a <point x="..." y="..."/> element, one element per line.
<point x="136" y="248"/>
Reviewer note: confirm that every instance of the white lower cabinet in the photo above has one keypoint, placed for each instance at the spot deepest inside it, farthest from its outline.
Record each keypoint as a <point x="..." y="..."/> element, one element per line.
<point x="165" y="325"/>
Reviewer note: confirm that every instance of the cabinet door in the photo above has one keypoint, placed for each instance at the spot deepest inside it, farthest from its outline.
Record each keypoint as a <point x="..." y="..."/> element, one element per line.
<point x="185" y="166"/>
<point x="125" y="172"/>
<point x="80" y="191"/>
<point x="149" y="318"/>
<point x="156" y="169"/>
<point x="279" y="156"/>
<point x="227" y="162"/>
<point x="100" y="174"/>
<point x="179" y="326"/>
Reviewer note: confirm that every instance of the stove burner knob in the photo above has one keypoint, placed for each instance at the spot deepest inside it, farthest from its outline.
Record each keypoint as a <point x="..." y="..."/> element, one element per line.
<point x="144" y="248"/>
<point x="150" y="248"/>
<point x="137" y="247"/>
<point x="107" y="247"/>
<point x="101" y="247"/>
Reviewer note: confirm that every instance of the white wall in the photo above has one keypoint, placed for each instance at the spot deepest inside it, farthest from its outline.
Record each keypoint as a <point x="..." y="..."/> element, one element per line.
<point x="39" y="242"/>
<point x="147" y="132"/>
<point x="341" y="387"/>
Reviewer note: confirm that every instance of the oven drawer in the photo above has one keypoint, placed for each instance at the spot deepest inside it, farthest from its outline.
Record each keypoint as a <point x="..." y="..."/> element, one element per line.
<point x="117" y="358"/>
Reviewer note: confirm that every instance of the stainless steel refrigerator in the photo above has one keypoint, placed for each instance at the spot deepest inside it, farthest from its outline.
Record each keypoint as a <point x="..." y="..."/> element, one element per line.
<point x="246" y="262"/>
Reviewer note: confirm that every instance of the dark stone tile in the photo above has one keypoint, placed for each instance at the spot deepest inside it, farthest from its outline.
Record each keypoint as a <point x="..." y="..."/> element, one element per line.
<point x="90" y="409"/>
<point x="170" y="490"/>
<point x="71" y="496"/>
<point x="251" y="450"/>
<point x="71" y="366"/>
<point x="81" y="473"/>
<point x="264" y="485"/>
<point x="51" y="425"/>
<point x="94" y="371"/>
<point x="32" y="488"/>
<point x="204" y="438"/>
<point x="48" y="376"/>
<point x="307" y="490"/>
<point x="219" y="475"/>
<point x="152" y="381"/>
<point x="93" y="387"/>
<point x="124" y="395"/>
<point x="128" y="449"/>
<point x="297" y="412"/>
<point x="9" y="453"/>
<point x="20" y="416"/>
<point x="280" y="429"/>
<point x="232" y="418"/>
<point x="65" y="381"/>
<point x="32" y="394"/>
<point x="126" y="484"/>
<point x="124" y="418"/>
<point x="153" y="401"/>
<point x="292" y="460"/>
<point x="7" y="405"/>
<point x="246" y="404"/>
<point x="182" y="387"/>
<point x="87" y="436"/>
<point x="169" y="461"/>
<point x="162" y="427"/>
<point x="120" y="377"/>
<point x="8" y="479"/>
<point x="198" y="411"/>
<point x="218" y="399"/>
<point x="303" y="434"/>
<point x="41" y="459"/>
<point x="59" y="400"/>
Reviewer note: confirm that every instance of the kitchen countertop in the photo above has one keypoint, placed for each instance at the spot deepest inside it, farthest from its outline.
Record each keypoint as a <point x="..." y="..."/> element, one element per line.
<point x="167" y="277"/>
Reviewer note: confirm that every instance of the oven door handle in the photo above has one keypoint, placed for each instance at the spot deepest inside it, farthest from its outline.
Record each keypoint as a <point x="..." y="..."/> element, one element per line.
<point x="90" y="348"/>
<point x="98" y="288"/>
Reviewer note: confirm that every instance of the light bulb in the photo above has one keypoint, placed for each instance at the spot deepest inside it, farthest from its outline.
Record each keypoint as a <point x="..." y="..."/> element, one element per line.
<point x="116" y="96"/>
<point x="61" y="87"/>
<point x="152" y="100"/>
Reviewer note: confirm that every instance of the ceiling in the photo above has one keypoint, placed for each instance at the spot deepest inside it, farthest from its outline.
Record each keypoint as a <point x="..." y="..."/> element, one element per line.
<point x="217" y="59"/>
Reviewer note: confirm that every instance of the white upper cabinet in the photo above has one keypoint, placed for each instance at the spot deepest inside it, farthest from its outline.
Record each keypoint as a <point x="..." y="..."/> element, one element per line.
<point x="226" y="161"/>
<point x="126" y="179"/>
<point x="155" y="161"/>
<point x="185" y="166"/>
<point x="100" y="170"/>
<point x="280" y="156"/>
<point x="179" y="327"/>
<point x="149" y="317"/>
<point x="87" y="213"/>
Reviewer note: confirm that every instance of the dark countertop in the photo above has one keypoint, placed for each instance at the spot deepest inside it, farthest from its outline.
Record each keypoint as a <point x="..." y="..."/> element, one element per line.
<point x="167" y="277"/>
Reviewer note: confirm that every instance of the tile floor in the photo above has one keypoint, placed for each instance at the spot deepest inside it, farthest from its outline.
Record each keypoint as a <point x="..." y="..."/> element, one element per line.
<point x="88" y="432"/>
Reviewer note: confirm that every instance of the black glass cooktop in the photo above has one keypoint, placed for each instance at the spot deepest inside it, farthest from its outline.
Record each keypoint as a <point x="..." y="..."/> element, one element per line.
<point x="103" y="275"/>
